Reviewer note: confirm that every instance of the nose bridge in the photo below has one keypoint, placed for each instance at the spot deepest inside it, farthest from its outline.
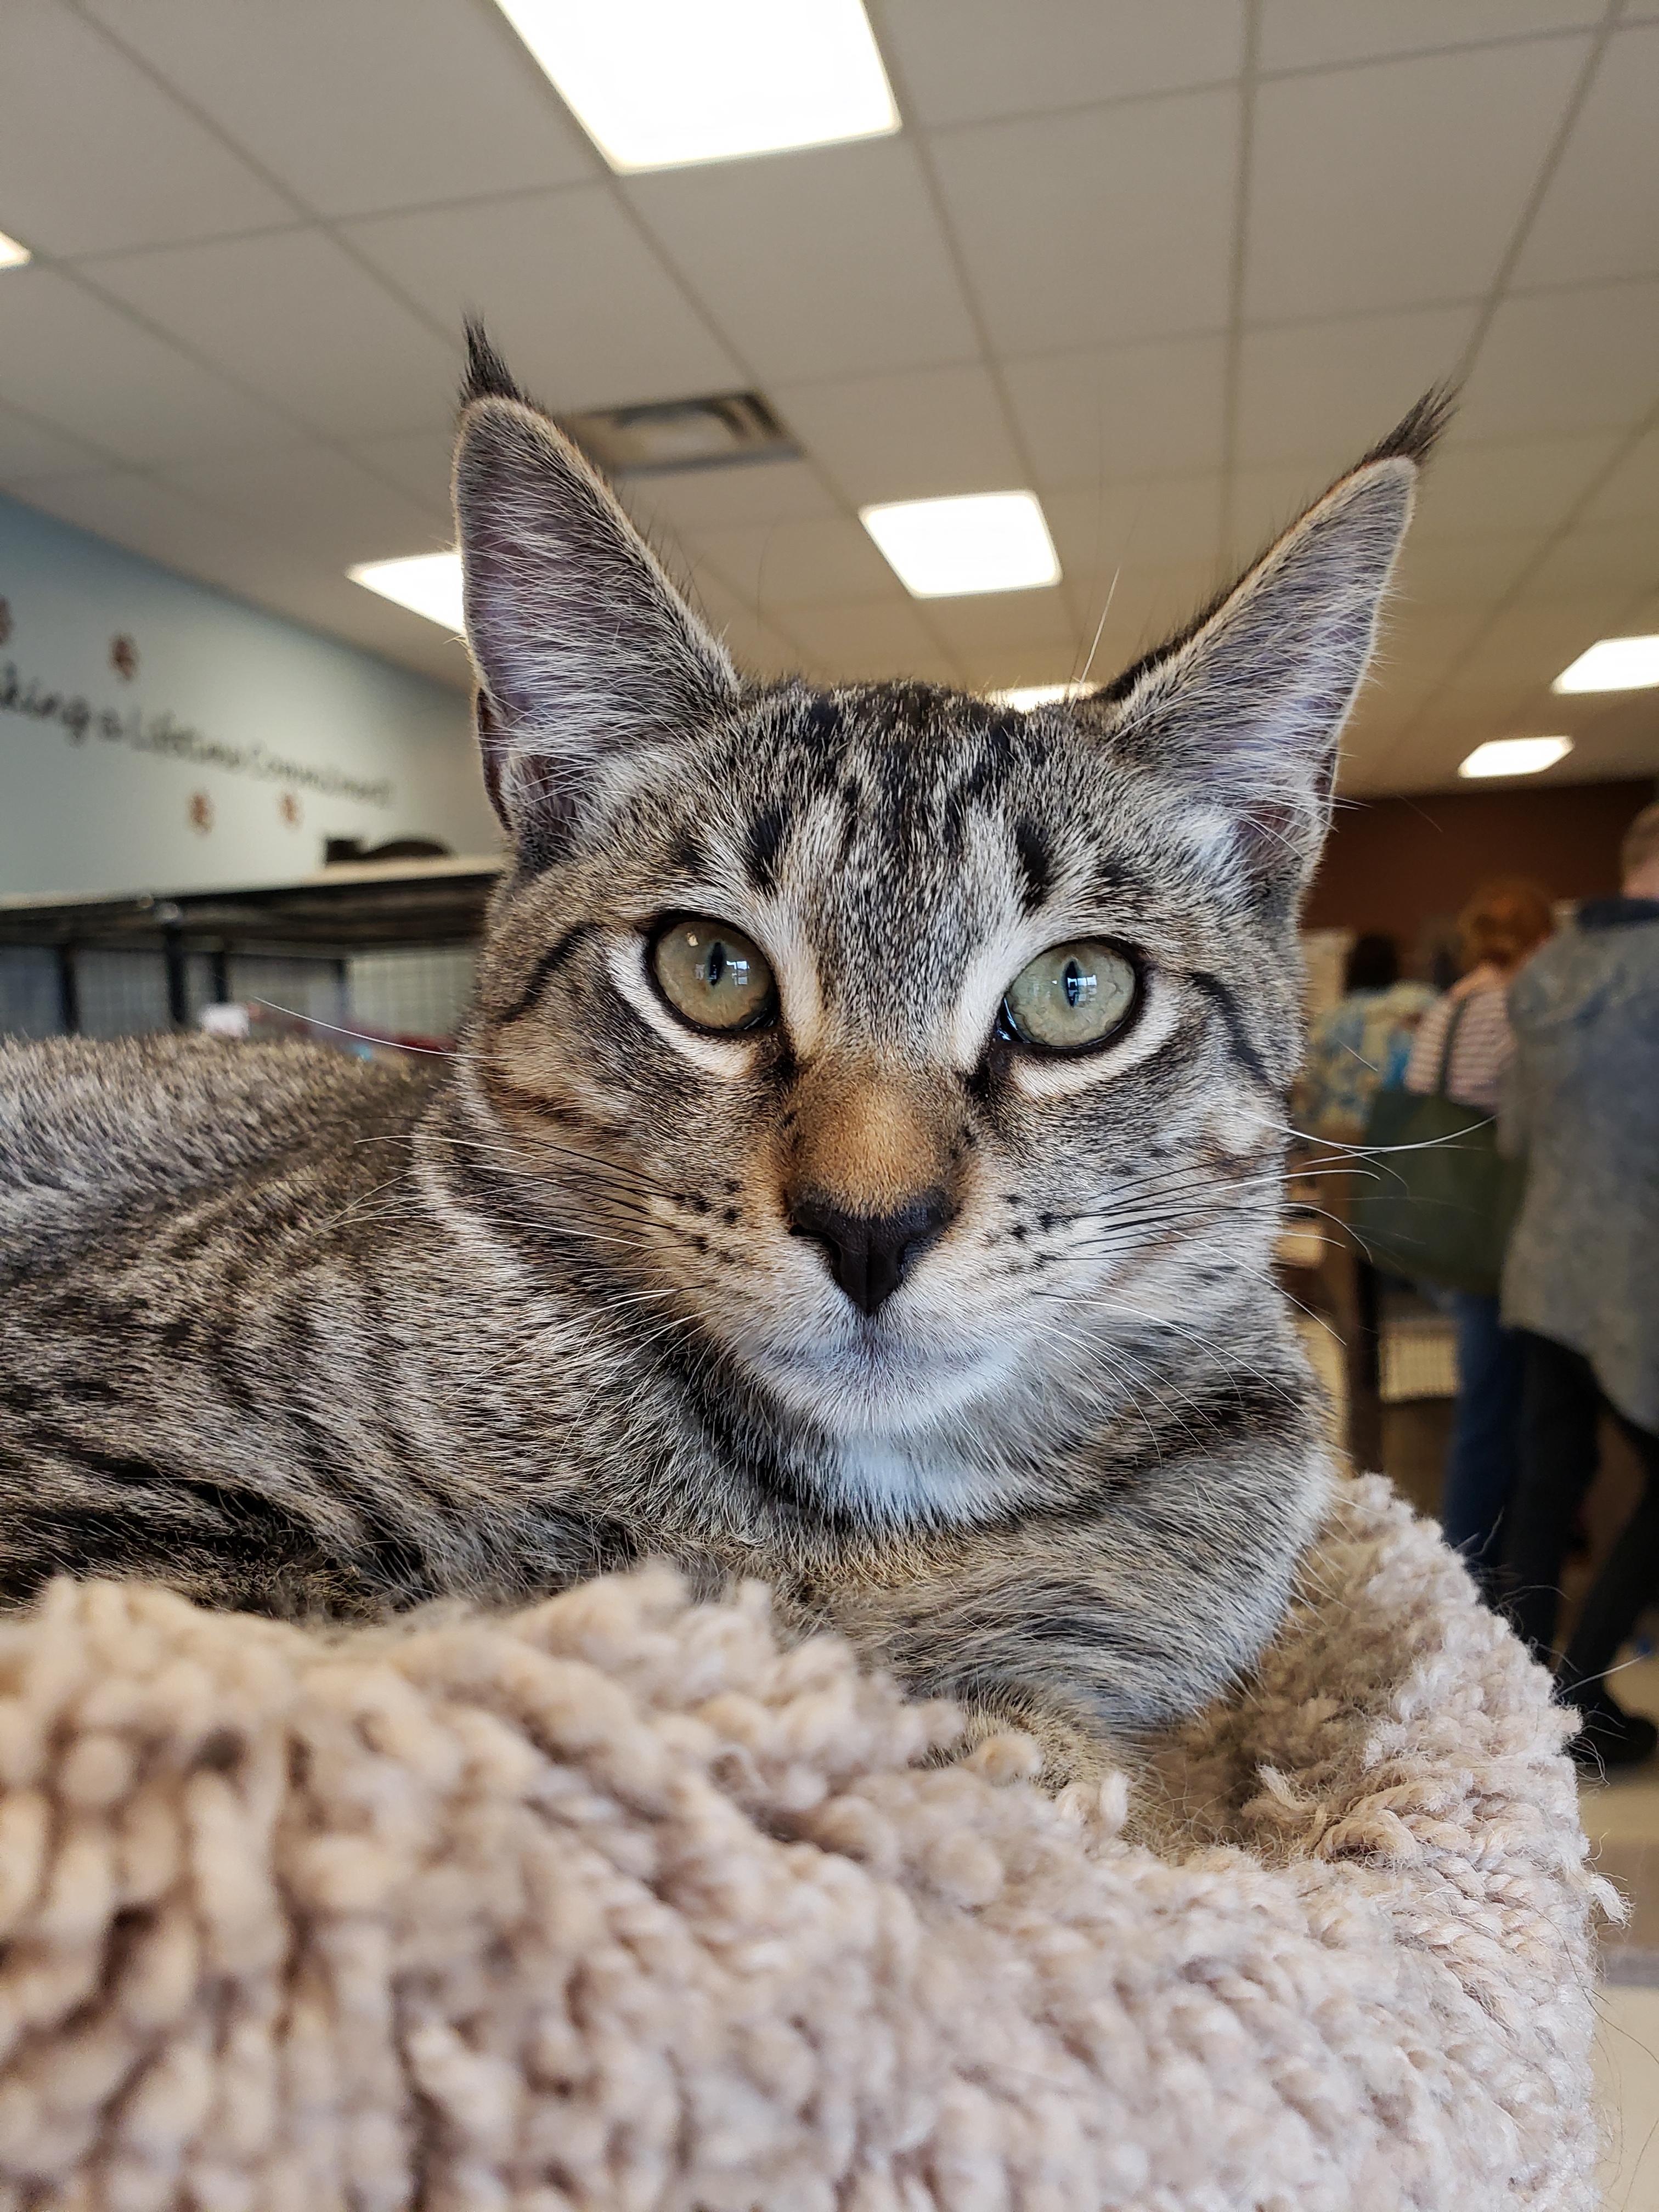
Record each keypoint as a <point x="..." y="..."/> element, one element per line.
<point x="870" y="1173"/>
<point x="869" y="1139"/>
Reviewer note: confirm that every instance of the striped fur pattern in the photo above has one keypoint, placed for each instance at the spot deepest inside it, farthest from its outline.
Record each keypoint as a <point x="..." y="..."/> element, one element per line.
<point x="300" y="1337"/>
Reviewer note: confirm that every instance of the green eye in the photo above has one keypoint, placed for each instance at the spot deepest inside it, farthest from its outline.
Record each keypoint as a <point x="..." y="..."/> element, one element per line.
<point x="1072" y="996"/>
<point x="714" y="975"/>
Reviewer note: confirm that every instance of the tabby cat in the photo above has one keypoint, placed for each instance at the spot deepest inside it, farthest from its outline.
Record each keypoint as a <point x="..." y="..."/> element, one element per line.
<point x="860" y="1168"/>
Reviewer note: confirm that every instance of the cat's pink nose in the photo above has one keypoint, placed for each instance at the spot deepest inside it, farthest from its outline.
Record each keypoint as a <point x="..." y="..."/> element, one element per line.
<point x="871" y="1254"/>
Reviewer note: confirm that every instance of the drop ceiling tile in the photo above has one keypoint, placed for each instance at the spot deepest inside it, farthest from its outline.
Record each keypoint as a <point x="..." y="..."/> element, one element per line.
<point x="1601" y="214"/>
<point x="1266" y="501"/>
<point x="1469" y="489"/>
<point x="1312" y="33"/>
<point x="1375" y="745"/>
<point x="1172" y="520"/>
<point x="1099" y="228"/>
<point x="827" y="263"/>
<point x="765" y="650"/>
<point x="1617" y="733"/>
<point x="417" y="461"/>
<point x="1632" y="492"/>
<point x="990" y="621"/>
<point x="792" y="563"/>
<point x="919" y="435"/>
<point x="864" y="640"/>
<point x="964" y="61"/>
<point x="1149" y="605"/>
<point x="1421" y="646"/>
<point x="1464" y="715"/>
<point x="761" y="652"/>
<point x="1457" y="725"/>
<point x="329" y="602"/>
<point x="163" y="524"/>
<point x="1388" y="185"/>
<point x="1475" y="571"/>
<point x="95" y="155"/>
<point x="581" y="307"/>
<point x="358" y="105"/>
<point x="296" y="318"/>
<point x="1529" y="645"/>
<point x="317" y="500"/>
<point x="1558" y="363"/>
<point x="1007" y="668"/>
<point x="1613" y="562"/>
<point x="1623" y="746"/>
<point x="1122" y="413"/>
<point x="1321" y="394"/>
<point x="29" y="449"/>
<point x="81" y="366"/>
<point x="714" y="499"/>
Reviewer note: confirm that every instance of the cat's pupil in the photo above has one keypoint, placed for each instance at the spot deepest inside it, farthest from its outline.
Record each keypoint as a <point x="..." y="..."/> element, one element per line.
<point x="1076" y="989"/>
<point x="716" y="964"/>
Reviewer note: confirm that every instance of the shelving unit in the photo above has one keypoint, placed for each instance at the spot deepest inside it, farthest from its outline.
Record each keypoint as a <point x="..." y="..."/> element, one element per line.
<point x="383" y="945"/>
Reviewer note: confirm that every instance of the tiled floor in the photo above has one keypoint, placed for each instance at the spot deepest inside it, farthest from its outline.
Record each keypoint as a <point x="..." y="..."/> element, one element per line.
<point x="1627" y="2069"/>
<point x="1622" y="1818"/>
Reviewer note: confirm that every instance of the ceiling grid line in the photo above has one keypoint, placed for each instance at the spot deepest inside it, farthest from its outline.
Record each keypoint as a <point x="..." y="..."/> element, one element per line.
<point x="1284" y="73"/>
<point x="1547" y="168"/>
<point x="644" y="230"/>
<point x="1495" y="293"/>
<point x="70" y="269"/>
<point x="1169" y="268"/>
<point x="1238" y="256"/>
<point x="307" y="216"/>
<point x="989" y="359"/>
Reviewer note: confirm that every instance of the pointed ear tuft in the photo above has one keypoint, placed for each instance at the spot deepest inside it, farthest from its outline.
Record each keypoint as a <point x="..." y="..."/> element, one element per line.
<point x="1243" y="710"/>
<point x="487" y="376"/>
<point x="586" y="655"/>
<point x="1417" y="434"/>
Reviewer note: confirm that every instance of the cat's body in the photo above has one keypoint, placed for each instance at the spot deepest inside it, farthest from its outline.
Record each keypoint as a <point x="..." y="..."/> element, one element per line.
<point x="968" y="1345"/>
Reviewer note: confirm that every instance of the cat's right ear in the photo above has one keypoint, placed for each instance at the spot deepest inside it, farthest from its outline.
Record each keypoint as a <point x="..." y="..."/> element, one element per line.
<point x="584" y="652"/>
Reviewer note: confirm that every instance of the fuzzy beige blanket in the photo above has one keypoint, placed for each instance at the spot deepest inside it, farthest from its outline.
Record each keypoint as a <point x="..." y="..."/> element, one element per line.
<point x="611" y="1903"/>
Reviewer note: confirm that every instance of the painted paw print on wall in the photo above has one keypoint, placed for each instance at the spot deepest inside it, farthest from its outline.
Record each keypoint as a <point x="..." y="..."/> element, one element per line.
<point x="124" y="657"/>
<point x="201" y="812"/>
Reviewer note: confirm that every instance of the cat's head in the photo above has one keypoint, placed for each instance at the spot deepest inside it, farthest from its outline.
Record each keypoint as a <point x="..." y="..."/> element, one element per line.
<point x="913" y="1060"/>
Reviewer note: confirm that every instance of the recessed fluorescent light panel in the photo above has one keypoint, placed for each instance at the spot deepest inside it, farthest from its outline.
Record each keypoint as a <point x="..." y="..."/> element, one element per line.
<point x="12" y="255"/>
<point x="1612" y="664"/>
<point x="1027" y="696"/>
<point x="945" y="549"/>
<point x="428" y="584"/>
<point x="1516" y="756"/>
<point x="660" y="84"/>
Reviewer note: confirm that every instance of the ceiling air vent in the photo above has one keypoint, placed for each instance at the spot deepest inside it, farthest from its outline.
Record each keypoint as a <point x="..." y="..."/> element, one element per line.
<point x="671" y="435"/>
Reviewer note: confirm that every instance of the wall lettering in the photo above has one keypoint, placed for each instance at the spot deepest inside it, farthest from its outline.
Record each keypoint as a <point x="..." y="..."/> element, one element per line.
<point x="164" y="735"/>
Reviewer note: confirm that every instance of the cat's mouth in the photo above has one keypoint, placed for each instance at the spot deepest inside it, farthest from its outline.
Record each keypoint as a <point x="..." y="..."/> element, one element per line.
<point x="877" y="1372"/>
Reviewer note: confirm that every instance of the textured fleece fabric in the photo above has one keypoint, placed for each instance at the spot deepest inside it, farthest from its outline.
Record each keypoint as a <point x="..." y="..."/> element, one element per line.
<point x="612" y="1903"/>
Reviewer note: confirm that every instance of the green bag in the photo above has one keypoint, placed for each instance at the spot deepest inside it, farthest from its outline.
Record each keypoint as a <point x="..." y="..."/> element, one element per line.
<point x="1434" y="1200"/>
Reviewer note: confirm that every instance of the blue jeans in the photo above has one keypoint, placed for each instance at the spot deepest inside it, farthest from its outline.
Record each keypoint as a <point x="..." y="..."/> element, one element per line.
<point x="1484" y="1461"/>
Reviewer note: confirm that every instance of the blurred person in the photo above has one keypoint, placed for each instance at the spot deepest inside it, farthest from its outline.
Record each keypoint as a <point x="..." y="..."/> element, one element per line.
<point x="1505" y="922"/>
<point x="1582" y="1277"/>
<point x="1352" y="1043"/>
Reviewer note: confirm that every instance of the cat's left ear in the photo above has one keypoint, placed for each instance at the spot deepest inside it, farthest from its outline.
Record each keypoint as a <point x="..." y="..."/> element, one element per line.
<point x="1245" y="710"/>
<point x="586" y="652"/>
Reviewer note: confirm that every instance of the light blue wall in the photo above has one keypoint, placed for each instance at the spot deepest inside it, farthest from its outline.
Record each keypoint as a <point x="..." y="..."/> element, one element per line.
<point x="236" y="705"/>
